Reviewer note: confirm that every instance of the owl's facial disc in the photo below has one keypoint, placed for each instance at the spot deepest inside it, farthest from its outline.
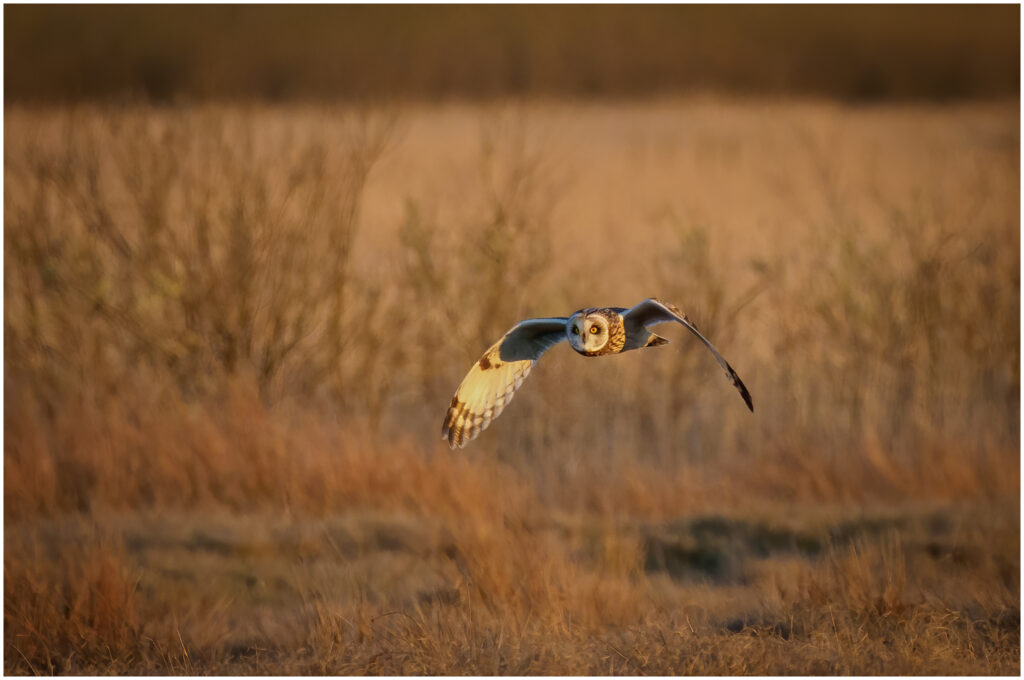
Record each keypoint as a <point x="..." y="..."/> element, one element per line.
<point x="594" y="332"/>
<point x="587" y="334"/>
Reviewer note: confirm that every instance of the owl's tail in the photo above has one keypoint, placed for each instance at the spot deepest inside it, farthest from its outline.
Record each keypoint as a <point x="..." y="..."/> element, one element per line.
<point x="656" y="340"/>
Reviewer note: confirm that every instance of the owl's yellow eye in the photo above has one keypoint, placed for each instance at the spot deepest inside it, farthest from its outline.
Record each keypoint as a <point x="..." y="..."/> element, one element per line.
<point x="593" y="330"/>
<point x="574" y="330"/>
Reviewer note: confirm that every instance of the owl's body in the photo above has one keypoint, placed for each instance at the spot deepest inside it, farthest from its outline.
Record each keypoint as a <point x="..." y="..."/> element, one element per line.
<point x="621" y="335"/>
<point x="594" y="331"/>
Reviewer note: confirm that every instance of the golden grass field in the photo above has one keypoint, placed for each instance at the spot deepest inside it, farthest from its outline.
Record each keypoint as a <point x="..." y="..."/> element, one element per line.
<point x="231" y="334"/>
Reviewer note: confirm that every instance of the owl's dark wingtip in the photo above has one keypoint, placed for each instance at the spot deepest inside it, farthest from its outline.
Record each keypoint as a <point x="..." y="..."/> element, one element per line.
<point x="740" y="387"/>
<point x="745" y="394"/>
<point x="447" y="433"/>
<point x="451" y="431"/>
<point x="450" y="434"/>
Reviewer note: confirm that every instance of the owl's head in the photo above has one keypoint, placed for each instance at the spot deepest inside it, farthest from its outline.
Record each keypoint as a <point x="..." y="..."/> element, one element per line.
<point x="588" y="333"/>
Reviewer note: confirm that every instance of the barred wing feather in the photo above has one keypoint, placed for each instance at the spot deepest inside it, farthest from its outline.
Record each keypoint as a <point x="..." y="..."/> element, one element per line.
<point x="492" y="382"/>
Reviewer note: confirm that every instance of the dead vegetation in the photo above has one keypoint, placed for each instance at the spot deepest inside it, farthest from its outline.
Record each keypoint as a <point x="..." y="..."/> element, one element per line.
<point x="230" y="334"/>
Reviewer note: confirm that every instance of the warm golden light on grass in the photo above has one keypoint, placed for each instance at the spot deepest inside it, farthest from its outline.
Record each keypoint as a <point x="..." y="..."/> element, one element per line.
<point x="231" y="334"/>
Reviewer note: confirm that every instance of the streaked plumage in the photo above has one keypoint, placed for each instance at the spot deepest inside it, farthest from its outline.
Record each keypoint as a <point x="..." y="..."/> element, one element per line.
<point x="595" y="331"/>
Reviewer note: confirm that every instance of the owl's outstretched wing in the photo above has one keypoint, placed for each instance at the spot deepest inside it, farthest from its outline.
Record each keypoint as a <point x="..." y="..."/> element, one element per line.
<point x="652" y="311"/>
<point x="491" y="383"/>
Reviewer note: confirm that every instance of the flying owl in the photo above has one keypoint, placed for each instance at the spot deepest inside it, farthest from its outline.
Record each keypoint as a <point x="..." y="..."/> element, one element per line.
<point x="491" y="383"/>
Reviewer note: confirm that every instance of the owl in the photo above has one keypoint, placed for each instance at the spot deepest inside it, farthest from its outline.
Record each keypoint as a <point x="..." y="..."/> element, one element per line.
<point x="596" y="331"/>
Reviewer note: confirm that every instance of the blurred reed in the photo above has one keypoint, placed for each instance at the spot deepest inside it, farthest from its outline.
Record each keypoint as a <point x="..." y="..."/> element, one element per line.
<point x="200" y="309"/>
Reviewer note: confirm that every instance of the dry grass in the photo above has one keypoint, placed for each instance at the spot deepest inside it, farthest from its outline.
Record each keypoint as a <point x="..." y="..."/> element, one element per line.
<point x="399" y="593"/>
<point x="230" y="335"/>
